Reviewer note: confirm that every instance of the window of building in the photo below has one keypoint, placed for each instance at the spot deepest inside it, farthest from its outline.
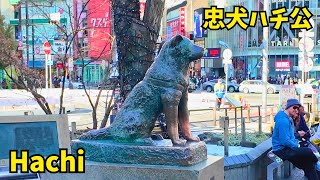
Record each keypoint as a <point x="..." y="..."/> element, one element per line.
<point x="306" y="3"/>
<point x="317" y="32"/>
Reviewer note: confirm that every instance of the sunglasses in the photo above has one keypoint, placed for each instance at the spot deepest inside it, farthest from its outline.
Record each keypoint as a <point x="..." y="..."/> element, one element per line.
<point x="295" y="107"/>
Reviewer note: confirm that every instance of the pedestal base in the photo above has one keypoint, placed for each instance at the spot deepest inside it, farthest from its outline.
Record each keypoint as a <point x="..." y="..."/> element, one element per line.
<point x="162" y="153"/>
<point x="210" y="169"/>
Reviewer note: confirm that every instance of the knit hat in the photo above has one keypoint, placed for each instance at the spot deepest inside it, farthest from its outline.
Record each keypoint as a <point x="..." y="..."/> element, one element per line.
<point x="292" y="102"/>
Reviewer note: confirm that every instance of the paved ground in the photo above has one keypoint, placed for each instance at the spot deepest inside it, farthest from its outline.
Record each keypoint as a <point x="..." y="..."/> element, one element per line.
<point x="297" y="174"/>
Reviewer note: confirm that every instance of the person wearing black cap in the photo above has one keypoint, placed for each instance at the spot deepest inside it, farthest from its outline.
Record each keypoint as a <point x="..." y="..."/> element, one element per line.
<point x="286" y="146"/>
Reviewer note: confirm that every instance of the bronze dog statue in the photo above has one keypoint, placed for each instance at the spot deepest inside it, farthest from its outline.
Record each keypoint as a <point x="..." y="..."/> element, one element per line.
<point x="163" y="89"/>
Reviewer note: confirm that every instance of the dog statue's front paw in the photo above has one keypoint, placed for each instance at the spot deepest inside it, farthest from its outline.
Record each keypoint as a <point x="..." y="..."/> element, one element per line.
<point x="179" y="142"/>
<point x="193" y="139"/>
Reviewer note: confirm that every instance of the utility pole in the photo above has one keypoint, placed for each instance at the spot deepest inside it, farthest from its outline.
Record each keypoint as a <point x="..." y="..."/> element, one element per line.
<point x="33" y="46"/>
<point x="20" y="30"/>
<point x="27" y="31"/>
<point x="265" y="68"/>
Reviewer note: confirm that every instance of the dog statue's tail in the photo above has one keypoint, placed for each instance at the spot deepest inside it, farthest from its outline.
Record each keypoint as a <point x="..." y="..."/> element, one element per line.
<point x="99" y="134"/>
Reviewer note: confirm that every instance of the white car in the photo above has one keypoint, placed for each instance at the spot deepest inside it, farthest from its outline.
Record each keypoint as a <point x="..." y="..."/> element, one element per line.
<point x="255" y="86"/>
<point x="74" y="85"/>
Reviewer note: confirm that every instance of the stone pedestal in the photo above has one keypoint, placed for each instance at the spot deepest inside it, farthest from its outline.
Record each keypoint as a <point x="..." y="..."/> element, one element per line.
<point x="162" y="153"/>
<point x="210" y="169"/>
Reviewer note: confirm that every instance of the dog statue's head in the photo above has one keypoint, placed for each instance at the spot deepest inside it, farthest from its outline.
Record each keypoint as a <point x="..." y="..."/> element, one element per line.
<point x="180" y="46"/>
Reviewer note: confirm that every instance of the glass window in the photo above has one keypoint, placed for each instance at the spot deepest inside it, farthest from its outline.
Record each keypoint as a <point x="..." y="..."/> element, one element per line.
<point x="306" y="3"/>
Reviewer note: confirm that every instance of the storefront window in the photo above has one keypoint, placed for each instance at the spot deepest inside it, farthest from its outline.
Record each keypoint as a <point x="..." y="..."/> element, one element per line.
<point x="318" y="32"/>
<point x="274" y="5"/>
<point x="286" y="4"/>
<point x="306" y="3"/>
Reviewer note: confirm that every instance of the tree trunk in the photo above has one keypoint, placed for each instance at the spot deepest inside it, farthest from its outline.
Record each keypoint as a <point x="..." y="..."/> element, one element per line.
<point x="94" y="119"/>
<point x="136" y="39"/>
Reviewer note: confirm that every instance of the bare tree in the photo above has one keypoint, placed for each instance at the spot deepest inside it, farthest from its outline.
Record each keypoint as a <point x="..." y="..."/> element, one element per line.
<point x="76" y="25"/>
<point x="21" y="76"/>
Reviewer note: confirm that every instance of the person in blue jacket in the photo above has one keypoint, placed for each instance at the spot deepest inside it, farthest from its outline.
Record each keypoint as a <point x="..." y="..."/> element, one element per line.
<point x="286" y="146"/>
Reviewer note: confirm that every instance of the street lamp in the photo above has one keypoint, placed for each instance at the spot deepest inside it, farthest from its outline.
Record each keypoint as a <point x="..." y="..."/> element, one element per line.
<point x="265" y="68"/>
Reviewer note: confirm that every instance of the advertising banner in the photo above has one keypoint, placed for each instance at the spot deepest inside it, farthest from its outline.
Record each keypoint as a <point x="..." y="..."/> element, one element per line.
<point x="282" y="65"/>
<point x="212" y="53"/>
<point x="99" y="34"/>
<point x="182" y="21"/>
<point x="286" y="92"/>
<point x="198" y="31"/>
<point x="174" y="26"/>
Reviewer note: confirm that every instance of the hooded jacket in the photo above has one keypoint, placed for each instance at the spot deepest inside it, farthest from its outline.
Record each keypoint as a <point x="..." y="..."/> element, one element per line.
<point x="283" y="132"/>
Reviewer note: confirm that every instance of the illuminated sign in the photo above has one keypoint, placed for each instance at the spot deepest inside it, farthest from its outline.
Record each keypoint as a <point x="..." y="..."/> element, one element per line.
<point x="282" y="65"/>
<point x="182" y="21"/>
<point x="211" y="53"/>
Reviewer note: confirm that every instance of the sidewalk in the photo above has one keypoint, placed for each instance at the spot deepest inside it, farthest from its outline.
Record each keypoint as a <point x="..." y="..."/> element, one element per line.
<point x="296" y="174"/>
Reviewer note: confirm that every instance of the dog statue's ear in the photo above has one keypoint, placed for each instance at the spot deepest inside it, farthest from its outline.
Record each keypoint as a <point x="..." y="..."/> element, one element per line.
<point x="175" y="41"/>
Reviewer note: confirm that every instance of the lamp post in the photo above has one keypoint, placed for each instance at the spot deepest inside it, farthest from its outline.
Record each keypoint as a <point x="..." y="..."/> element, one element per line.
<point x="27" y="31"/>
<point x="265" y="68"/>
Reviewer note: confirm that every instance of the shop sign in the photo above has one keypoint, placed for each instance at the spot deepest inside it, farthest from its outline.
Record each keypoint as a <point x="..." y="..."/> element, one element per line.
<point x="211" y="53"/>
<point x="182" y="21"/>
<point x="174" y="27"/>
<point x="59" y="65"/>
<point x="286" y="92"/>
<point x="282" y="65"/>
<point x="99" y="22"/>
<point x="177" y="25"/>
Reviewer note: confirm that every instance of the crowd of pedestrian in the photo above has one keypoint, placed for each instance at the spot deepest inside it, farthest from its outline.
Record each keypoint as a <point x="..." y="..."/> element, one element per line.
<point x="284" y="79"/>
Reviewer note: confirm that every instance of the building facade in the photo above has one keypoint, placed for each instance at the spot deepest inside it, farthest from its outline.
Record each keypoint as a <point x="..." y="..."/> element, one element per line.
<point x="245" y="44"/>
<point x="283" y="44"/>
<point x="180" y="17"/>
<point x="34" y="26"/>
<point x="93" y="44"/>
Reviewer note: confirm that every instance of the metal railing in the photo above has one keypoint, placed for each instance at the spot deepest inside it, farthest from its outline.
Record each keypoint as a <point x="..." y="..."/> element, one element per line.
<point x="224" y="120"/>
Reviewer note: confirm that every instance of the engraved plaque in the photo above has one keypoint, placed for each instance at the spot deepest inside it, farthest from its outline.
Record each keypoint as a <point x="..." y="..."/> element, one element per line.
<point x="37" y="137"/>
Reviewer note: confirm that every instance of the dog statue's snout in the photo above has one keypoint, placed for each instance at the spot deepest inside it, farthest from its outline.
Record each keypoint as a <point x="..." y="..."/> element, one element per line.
<point x="198" y="52"/>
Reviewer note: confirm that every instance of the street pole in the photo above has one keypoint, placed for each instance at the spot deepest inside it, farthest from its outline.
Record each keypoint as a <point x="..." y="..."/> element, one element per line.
<point x="226" y="71"/>
<point x="50" y="72"/>
<point x="20" y="29"/>
<point x="33" y="46"/>
<point x="27" y="32"/>
<point x="265" y="64"/>
<point x="46" y="58"/>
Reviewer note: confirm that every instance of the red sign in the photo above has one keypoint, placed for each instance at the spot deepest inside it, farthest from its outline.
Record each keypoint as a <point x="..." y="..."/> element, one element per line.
<point x="175" y="27"/>
<point x="142" y="8"/>
<point x="282" y="65"/>
<point x="59" y="65"/>
<point x="99" y="33"/>
<point x="178" y="25"/>
<point x="211" y="53"/>
<point x="47" y="47"/>
<point x="182" y="21"/>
